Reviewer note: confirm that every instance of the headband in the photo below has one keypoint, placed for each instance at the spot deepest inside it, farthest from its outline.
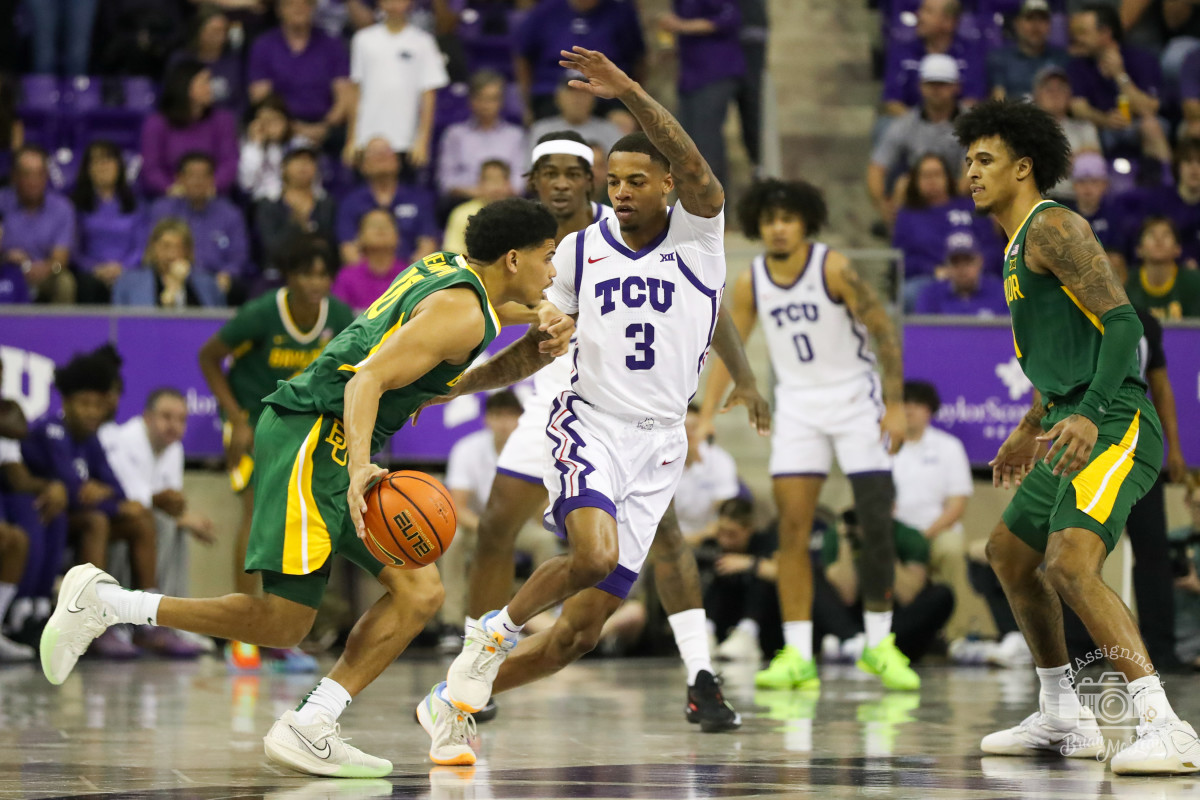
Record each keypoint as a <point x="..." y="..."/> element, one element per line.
<point x="563" y="147"/>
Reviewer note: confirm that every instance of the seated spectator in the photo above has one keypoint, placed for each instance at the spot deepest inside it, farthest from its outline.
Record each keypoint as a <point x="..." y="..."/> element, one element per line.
<point x="966" y="290"/>
<point x="920" y="608"/>
<point x="495" y="183"/>
<point x="741" y="600"/>
<point x="218" y="226"/>
<point x="359" y="285"/>
<point x="937" y="26"/>
<point x="12" y="130"/>
<point x="1185" y="546"/>
<point x="260" y="166"/>
<point x="1161" y="286"/>
<point x="40" y="228"/>
<point x="575" y="114"/>
<point x="1052" y="93"/>
<point x="484" y="137"/>
<point x="396" y="70"/>
<point x="208" y="44"/>
<point x="1105" y="213"/>
<point x="13" y="288"/>
<point x="187" y="122"/>
<point x="1011" y="68"/>
<point x="109" y="220"/>
<point x="1181" y="202"/>
<point x="302" y="207"/>
<point x="1116" y="86"/>
<point x="928" y="129"/>
<point x="14" y="541"/>
<point x="169" y="278"/>
<point x="306" y="67"/>
<point x="1189" y="95"/>
<point x="412" y="207"/>
<point x="709" y="479"/>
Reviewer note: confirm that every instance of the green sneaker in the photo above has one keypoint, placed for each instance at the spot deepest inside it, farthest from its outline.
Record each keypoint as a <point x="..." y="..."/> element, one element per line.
<point x="886" y="661"/>
<point x="788" y="670"/>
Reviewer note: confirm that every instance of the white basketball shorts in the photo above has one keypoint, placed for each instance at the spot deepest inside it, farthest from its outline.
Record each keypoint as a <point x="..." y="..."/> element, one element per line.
<point x="812" y="426"/>
<point x="525" y="455"/>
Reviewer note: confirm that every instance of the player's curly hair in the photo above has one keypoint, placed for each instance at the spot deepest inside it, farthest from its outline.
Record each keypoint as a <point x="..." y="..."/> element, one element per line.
<point x="797" y="197"/>
<point x="301" y="252"/>
<point x="96" y="371"/>
<point x="1027" y="131"/>
<point x="512" y="224"/>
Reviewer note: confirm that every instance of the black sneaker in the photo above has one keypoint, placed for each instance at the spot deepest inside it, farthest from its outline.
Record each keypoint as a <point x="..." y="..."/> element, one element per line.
<point x="707" y="706"/>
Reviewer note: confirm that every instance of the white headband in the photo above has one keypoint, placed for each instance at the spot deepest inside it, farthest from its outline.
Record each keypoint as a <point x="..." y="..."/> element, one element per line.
<point x="563" y="147"/>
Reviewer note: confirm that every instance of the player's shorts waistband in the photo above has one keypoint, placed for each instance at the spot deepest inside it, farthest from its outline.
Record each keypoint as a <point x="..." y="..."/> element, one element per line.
<point x="636" y="421"/>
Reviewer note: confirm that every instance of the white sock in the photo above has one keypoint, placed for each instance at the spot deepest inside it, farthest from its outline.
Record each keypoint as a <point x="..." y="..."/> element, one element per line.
<point x="130" y="605"/>
<point x="691" y="637"/>
<point x="469" y="625"/>
<point x="7" y="592"/>
<point x="799" y="635"/>
<point x="502" y="623"/>
<point x="328" y="696"/>
<point x="1150" y="701"/>
<point x="1058" y="692"/>
<point x="878" y="624"/>
<point x="750" y="627"/>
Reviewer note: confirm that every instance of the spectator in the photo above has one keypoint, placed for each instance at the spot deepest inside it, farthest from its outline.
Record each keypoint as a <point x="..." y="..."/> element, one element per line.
<point x="396" y="69"/>
<point x="1103" y="212"/>
<point x="208" y="44"/>
<point x="1052" y="93"/>
<point x="937" y="23"/>
<point x="1116" y="86"/>
<point x="1161" y="286"/>
<point x="359" y="285"/>
<point x="218" y="227"/>
<point x="68" y="22"/>
<point x="260" y="167"/>
<point x="928" y="129"/>
<point x="109" y="222"/>
<point x="13" y="288"/>
<point x="575" y="114"/>
<point x="1181" y="202"/>
<point x="1189" y="95"/>
<point x="495" y="183"/>
<point x="12" y="130"/>
<point x="41" y="228"/>
<point x="412" y="207"/>
<point x="711" y="69"/>
<point x="302" y="207"/>
<point x="137" y="36"/>
<point x="1185" y="559"/>
<point x="186" y="122"/>
<point x="305" y="66"/>
<point x="709" y="479"/>
<point x="484" y="137"/>
<point x="740" y="599"/>
<point x="14" y="540"/>
<point x="966" y="290"/>
<point x="610" y="26"/>
<point x="169" y="279"/>
<point x="1013" y="67"/>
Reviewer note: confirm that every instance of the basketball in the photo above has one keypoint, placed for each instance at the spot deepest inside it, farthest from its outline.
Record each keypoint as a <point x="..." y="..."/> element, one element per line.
<point x="410" y="519"/>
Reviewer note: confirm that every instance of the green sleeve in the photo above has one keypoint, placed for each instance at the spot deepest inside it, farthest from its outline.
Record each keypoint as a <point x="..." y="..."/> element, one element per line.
<point x="247" y="327"/>
<point x="911" y="544"/>
<point x="1118" y="346"/>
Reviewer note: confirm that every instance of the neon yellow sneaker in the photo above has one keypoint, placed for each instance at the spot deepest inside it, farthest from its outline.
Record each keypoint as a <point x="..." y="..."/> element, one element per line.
<point x="788" y="670"/>
<point x="886" y="661"/>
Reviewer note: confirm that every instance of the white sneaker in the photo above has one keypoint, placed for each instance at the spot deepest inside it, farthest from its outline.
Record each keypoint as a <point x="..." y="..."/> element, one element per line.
<point x="78" y="618"/>
<point x="852" y="648"/>
<point x="450" y="729"/>
<point x="1011" y="653"/>
<point x="739" y="645"/>
<point x="15" y="651"/>
<point x="1170" y="748"/>
<point x="472" y="673"/>
<point x="319" y="749"/>
<point x="1040" y="732"/>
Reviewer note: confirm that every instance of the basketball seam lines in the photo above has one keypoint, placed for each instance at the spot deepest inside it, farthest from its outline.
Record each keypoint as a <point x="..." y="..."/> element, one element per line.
<point x="417" y="509"/>
<point x="449" y="501"/>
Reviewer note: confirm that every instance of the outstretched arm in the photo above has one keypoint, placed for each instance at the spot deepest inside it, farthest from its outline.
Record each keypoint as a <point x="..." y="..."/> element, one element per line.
<point x="733" y="328"/>
<point x="699" y="191"/>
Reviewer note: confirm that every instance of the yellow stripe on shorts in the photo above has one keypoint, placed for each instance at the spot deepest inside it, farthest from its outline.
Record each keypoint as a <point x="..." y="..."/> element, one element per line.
<point x="1097" y="484"/>
<point x="306" y="542"/>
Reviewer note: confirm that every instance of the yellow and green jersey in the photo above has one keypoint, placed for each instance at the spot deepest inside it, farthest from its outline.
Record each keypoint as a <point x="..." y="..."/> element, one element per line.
<point x="320" y="388"/>
<point x="1178" y="298"/>
<point x="268" y="346"/>
<point x="1057" y="340"/>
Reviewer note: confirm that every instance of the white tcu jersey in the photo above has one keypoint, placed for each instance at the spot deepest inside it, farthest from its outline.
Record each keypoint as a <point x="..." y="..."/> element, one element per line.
<point x="646" y="318"/>
<point x="813" y="339"/>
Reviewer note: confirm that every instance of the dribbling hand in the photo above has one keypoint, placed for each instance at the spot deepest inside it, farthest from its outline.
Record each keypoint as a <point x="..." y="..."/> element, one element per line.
<point x="603" y="78"/>
<point x="361" y="478"/>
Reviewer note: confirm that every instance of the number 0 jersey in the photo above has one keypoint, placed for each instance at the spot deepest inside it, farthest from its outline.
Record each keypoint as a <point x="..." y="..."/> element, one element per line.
<point x="320" y="388"/>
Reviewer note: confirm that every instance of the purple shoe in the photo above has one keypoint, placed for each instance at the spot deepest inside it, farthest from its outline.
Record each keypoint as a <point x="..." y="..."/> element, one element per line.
<point x="167" y="642"/>
<point x="114" y="644"/>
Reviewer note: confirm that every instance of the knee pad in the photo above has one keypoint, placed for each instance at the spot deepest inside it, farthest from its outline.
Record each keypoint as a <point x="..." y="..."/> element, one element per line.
<point x="874" y="496"/>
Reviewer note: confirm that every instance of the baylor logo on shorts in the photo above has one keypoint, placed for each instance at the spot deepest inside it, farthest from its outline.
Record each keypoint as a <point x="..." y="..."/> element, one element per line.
<point x="416" y="539"/>
<point x="337" y="443"/>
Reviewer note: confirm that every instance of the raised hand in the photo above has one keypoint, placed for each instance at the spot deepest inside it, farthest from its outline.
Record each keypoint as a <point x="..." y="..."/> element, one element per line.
<point x="602" y="77"/>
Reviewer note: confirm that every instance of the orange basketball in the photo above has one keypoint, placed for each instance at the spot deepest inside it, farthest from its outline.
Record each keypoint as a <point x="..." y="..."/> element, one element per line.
<point x="410" y="519"/>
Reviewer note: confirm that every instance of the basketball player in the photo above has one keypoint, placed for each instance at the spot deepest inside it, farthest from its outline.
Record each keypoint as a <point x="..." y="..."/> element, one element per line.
<point x="1076" y="337"/>
<point x="562" y="178"/>
<point x="816" y="314"/>
<point x="314" y="442"/>
<point x="646" y="287"/>
<point x="270" y="339"/>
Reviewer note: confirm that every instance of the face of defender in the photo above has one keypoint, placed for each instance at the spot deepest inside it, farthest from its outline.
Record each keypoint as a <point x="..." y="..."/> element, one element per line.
<point x="534" y="271"/>
<point x="562" y="184"/>
<point x="992" y="173"/>
<point x="637" y="188"/>
<point x="782" y="231"/>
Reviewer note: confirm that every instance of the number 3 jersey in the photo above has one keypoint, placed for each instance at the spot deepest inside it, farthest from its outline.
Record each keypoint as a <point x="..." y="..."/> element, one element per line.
<point x="646" y="317"/>
<point x="813" y="340"/>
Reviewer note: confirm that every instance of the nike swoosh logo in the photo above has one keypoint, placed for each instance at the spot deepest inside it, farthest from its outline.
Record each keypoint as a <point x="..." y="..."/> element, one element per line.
<point x="322" y="752"/>
<point x="73" y="604"/>
<point x="594" y="260"/>
<point x="672" y="461"/>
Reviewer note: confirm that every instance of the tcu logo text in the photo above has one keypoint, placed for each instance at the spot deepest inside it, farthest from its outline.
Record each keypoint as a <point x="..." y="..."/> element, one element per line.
<point x="420" y="544"/>
<point x="634" y="291"/>
<point x="795" y="312"/>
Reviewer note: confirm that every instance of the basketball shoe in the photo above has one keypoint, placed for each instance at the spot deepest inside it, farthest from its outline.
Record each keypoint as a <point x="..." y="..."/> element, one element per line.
<point x="886" y="661"/>
<point x="450" y="729"/>
<point x="1167" y="748"/>
<point x="707" y="706"/>
<point x="78" y="618"/>
<point x="319" y="749"/>
<point x="472" y="673"/>
<point x="1042" y="732"/>
<point x="788" y="670"/>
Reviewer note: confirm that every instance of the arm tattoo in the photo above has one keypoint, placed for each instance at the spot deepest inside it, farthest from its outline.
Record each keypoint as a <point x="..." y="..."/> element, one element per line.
<point x="1033" y="417"/>
<point x="514" y="363"/>
<point x="1061" y="242"/>
<point x="866" y="308"/>
<point x="699" y="190"/>
<point x="728" y="344"/>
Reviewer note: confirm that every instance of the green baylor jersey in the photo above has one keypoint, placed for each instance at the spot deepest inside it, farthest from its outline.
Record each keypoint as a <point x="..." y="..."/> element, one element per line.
<point x="320" y="388"/>
<point x="1057" y="340"/>
<point x="268" y="346"/>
